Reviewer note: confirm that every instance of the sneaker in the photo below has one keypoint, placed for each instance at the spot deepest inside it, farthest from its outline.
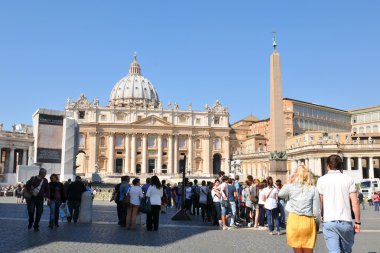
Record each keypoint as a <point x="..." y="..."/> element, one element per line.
<point x="226" y="228"/>
<point x="249" y="224"/>
<point x="271" y="233"/>
<point x="278" y="233"/>
<point x="234" y="226"/>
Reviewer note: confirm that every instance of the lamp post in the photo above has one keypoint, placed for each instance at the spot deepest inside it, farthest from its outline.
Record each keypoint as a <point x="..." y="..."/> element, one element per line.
<point x="182" y="214"/>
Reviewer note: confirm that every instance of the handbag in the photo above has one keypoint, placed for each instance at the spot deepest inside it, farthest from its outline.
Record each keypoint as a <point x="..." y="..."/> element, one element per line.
<point x="145" y="206"/>
<point x="127" y="198"/>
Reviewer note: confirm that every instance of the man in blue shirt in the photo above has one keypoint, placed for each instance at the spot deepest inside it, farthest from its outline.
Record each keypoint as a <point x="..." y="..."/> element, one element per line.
<point x="121" y="191"/>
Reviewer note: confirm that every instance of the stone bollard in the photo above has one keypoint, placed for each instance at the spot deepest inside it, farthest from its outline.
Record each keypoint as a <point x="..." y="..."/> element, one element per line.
<point x="85" y="214"/>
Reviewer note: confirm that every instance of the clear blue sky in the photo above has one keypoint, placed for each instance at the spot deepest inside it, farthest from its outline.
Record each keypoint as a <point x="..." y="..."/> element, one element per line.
<point x="192" y="51"/>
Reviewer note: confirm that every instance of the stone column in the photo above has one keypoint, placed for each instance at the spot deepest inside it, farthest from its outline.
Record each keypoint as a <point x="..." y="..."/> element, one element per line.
<point x="190" y="153"/>
<point x="170" y="156"/>
<point x="133" y="154"/>
<point x="294" y="165"/>
<point x="311" y="164"/>
<point x="159" y="154"/>
<point x="24" y="157"/>
<point x="144" y="154"/>
<point x="207" y="170"/>
<point x="318" y="171"/>
<point x="111" y="153"/>
<point x="127" y="157"/>
<point x="348" y="165"/>
<point x="259" y="170"/>
<point x="175" y="157"/>
<point x="307" y="164"/>
<point x="11" y="160"/>
<point x="93" y="151"/>
<point x="360" y="167"/>
<point x="226" y="148"/>
<point x="371" y="169"/>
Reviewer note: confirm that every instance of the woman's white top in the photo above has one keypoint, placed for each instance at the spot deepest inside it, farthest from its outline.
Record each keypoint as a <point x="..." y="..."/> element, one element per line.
<point x="155" y="195"/>
<point x="261" y="198"/>
<point x="135" y="194"/>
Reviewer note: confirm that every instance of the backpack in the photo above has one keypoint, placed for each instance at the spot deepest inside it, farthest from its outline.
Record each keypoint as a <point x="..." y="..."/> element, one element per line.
<point x="196" y="192"/>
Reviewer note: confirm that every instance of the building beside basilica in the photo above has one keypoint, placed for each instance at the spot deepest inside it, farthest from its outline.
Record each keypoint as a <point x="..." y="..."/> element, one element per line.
<point x="135" y="134"/>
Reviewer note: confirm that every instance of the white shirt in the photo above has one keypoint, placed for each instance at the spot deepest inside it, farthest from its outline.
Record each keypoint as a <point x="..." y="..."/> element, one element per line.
<point x="270" y="194"/>
<point x="135" y="194"/>
<point x="336" y="188"/>
<point x="261" y="197"/>
<point x="155" y="195"/>
<point x="215" y="197"/>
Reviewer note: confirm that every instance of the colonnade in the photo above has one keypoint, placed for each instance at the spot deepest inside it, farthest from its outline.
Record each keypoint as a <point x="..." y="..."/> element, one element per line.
<point x="10" y="162"/>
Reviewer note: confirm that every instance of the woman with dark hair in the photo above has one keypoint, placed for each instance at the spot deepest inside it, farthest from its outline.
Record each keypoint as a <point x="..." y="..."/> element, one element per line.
<point x="270" y="195"/>
<point x="56" y="197"/>
<point x="155" y="194"/>
<point x="203" y="200"/>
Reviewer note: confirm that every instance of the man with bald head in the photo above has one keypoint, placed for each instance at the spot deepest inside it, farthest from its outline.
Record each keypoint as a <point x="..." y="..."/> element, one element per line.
<point x="38" y="188"/>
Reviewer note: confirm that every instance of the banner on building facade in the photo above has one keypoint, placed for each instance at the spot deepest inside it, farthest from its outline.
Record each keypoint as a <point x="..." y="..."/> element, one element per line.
<point x="49" y="139"/>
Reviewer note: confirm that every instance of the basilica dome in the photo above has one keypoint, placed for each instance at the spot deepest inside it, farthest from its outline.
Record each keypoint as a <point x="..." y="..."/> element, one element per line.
<point x="134" y="90"/>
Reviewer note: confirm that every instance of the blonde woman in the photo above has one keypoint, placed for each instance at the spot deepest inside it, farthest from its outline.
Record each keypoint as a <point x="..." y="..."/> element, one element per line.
<point x="303" y="208"/>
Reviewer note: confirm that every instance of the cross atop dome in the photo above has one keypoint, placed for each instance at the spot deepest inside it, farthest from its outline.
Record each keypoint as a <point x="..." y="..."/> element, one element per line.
<point x="134" y="68"/>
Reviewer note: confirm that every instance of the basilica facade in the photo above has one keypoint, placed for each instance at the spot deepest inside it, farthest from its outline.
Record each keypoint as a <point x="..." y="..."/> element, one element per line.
<point x="134" y="134"/>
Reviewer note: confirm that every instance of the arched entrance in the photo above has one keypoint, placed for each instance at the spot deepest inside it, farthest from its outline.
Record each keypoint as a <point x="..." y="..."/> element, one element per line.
<point x="216" y="163"/>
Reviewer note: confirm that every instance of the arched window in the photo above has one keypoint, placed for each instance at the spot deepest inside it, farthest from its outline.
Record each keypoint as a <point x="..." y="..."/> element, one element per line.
<point x="375" y="129"/>
<point x="361" y="130"/>
<point x="354" y="130"/>
<point x="182" y="142"/>
<point x="368" y="129"/>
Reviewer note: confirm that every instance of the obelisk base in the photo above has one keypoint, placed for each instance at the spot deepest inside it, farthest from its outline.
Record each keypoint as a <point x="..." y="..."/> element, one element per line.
<point x="278" y="170"/>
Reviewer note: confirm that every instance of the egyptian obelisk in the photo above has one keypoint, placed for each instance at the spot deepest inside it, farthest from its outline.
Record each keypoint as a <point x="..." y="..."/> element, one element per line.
<point x="278" y="158"/>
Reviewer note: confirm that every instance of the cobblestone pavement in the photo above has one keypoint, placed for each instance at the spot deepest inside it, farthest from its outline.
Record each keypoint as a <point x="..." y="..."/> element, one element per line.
<point x="194" y="236"/>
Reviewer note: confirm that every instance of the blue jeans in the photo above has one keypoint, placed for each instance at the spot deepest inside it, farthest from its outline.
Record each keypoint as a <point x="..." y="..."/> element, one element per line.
<point x="179" y="202"/>
<point x="281" y="207"/>
<point x="233" y="212"/>
<point x="376" y="204"/>
<point x="54" y="212"/>
<point x="339" y="236"/>
<point x="273" y="214"/>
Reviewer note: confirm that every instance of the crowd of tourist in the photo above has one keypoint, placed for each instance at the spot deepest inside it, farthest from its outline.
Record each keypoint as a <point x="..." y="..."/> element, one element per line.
<point x="227" y="202"/>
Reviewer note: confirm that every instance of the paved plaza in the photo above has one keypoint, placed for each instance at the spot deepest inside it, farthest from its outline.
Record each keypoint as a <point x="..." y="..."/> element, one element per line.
<point x="103" y="235"/>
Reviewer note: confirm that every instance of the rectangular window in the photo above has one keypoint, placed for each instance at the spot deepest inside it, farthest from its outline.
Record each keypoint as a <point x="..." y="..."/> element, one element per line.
<point x="103" y="117"/>
<point x="119" y="141"/>
<point x="166" y="118"/>
<point x="198" y="121"/>
<point x="182" y="142"/>
<point x="152" y="141"/>
<point x="216" y="120"/>
<point x="139" y="117"/>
